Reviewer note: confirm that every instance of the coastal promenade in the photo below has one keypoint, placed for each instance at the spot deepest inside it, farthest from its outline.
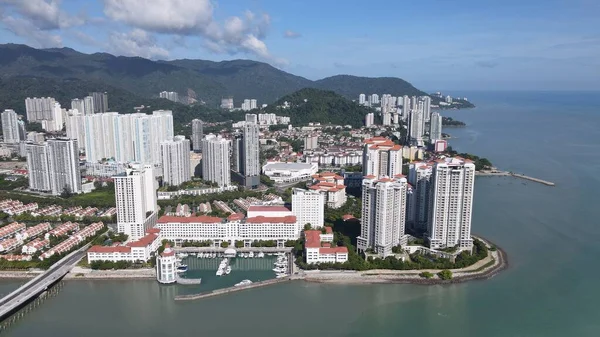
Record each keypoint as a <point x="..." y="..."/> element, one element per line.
<point x="512" y="174"/>
<point x="30" y="290"/>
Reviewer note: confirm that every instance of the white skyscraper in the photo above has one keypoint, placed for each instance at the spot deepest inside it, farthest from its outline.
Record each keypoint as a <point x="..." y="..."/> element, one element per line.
<point x="416" y="127"/>
<point x="251" y="156"/>
<point x="64" y="165"/>
<point x="176" y="161"/>
<point x="88" y="105"/>
<point x="38" y="167"/>
<point x="362" y="99"/>
<point x="253" y="104"/>
<point x="170" y="95"/>
<point x="78" y="104"/>
<point x="405" y="107"/>
<point x="10" y="127"/>
<point x="419" y="176"/>
<point x="375" y="99"/>
<point x="39" y="109"/>
<point x="54" y="166"/>
<point x="308" y="207"/>
<point x="381" y="157"/>
<point x="383" y="214"/>
<point x="215" y="160"/>
<point x="135" y="196"/>
<point x="100" y="101"/>
<point x="369" y="119"/>
<point x="426" y="107"/>
<point x="197" y="134"/>
<point x="435" y="127"/>
<point x="451" y="204"/>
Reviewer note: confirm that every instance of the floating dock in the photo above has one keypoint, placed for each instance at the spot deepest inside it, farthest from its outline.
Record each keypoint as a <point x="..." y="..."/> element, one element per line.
<point x="516" y="175"/>
<point x="230" y="289"/>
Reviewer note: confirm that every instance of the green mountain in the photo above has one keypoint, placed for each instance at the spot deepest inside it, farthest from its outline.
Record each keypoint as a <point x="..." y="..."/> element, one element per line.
<point x="209" y="80"/>
<point x="315" y="105"/>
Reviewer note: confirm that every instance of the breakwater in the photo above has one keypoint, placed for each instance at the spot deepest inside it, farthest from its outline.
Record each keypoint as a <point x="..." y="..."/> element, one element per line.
<point x="230" y="289"/>
<point x="512" y="174"/>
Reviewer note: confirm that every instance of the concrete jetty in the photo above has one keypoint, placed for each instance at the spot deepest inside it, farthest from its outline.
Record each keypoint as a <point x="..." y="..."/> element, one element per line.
<point x="231" y="289"/>
<point x="516" y="175"/>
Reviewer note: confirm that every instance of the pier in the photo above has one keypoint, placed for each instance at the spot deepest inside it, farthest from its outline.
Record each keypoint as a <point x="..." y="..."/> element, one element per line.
<point x="220" y="250"/>
<point x="516" y="175"/>
<point x="231" y="289"/>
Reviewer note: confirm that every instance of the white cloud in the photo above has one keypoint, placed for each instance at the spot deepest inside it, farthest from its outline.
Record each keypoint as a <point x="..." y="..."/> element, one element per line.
<point x="291" y="34"/>
<point x="44" y="14"/>
<point x="136" y="43"/>
<point x="195" y="18"/>
<point x="35" y="36"/>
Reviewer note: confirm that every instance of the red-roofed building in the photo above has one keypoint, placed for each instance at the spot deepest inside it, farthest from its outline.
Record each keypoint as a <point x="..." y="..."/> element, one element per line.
<point x="318" y="248"/>
<point x="274" y="223"/>
<point x="382" y="157"/>
<point x="140" y="250"/>
<point x="332" y="187"/>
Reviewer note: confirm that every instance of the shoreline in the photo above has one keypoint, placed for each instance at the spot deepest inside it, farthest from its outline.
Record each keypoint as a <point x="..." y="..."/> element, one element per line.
<point x="477" y="271"/>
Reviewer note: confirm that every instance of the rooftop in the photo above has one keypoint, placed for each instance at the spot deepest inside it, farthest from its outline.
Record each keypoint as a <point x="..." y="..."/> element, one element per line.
<point x="190" y="219"/>
<point x="255" y="208"/>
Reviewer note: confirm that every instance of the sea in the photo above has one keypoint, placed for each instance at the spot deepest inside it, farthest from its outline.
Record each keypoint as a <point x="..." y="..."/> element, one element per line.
<point x="550" y="234"/>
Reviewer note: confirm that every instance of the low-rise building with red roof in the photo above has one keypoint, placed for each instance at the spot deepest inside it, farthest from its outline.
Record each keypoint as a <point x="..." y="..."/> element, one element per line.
<point x="317" y="247"/>
<point x="140" y="250"/>
<point x="332" y="187"/>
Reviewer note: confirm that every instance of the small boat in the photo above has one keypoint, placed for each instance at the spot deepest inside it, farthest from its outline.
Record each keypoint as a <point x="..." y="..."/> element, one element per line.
<point x="251" y="254"/>
<point x="228" y="270"/>
<point x="280" y="264"/>
<point x="182" y="268"/>
<point x="281" y="275"/>
<point x="243" y="283"/>
<point x="182" y="255"/>
<point x="245" y="256"/>
<point x="279" y="270"/>
<point x="261" y="255"/>
<point x="219" y="272"/>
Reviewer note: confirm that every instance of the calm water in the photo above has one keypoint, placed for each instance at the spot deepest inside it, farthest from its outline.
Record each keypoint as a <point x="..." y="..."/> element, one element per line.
<point x="550" y="234"/>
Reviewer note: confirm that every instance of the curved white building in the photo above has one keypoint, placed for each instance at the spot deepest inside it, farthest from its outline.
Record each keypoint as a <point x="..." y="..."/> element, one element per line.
<point x="166" y="271"/>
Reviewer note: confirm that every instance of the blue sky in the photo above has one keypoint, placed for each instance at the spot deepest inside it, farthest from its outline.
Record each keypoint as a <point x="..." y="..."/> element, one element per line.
<point x="457" y="45"/>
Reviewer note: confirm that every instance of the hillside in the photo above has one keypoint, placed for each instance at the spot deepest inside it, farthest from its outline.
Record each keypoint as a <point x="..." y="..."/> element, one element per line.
<point x="352" y="86"/>
<point x="13" y="92"/>
<point x="315" y="105"/>
<point x="210" y="80"/>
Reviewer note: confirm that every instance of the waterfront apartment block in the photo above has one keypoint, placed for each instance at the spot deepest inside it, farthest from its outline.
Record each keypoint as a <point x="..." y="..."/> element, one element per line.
<point x="176" y="161"/>
<point x="317" y="247"/>
<point x="216" y="161"/>
<point x="451" y="204"/>
<point x="419" y="177"/>
<point x="383" y="214"/>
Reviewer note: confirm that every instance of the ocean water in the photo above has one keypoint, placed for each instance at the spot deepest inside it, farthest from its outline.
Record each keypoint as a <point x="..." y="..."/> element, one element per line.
<point x="550" y="234"/>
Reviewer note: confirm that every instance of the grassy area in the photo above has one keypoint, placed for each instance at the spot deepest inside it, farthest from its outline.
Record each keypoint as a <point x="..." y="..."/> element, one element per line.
<point x="101" y="198"/>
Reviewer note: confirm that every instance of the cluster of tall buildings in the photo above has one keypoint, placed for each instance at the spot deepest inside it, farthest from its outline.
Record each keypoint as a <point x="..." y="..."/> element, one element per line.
<point x="45" y="111"/>
<point x="249" y="104"/>
<point x="435" y="201"/>
<point x="414" y="111"/>
<point x="170" y="95"/>
<point x="124" y="137"/>
<point x="54" y="166"/>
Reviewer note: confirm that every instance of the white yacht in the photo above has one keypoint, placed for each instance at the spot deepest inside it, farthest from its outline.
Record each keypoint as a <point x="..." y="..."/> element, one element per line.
<point x="243" y="283"/>
<point x="182" y="255"/>
<point x="228" y="270"/>
<point x="261" y="255"/>
<point x="279" y="270"/>
<point x="281" y="275"/>
<point x="251" y="254"/>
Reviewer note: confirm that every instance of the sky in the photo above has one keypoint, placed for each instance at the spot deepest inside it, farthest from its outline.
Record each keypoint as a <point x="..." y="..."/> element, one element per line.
<point x="434" y="44"/>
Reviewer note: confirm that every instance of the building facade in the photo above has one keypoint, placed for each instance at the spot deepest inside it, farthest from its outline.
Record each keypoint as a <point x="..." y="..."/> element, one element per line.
<point x="381" y="157"/>
<point x="135" y="195"/>
<point x="176" y="161"/>
<point x="308" y="207"/>
<point x="419" y="176"/>
<point x="10" y="127"/>
<point x="451" y="204"/>
<point x="383" y="214"/>
<point x="317" y="248"/>
<point x="435" y="130"/>
<point x="215" y="160"/>
<point x="197" y="135"/>
<point x="332" y="186"/>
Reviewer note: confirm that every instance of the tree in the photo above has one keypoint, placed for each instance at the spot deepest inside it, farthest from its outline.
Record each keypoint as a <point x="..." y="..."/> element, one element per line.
<point x="426" y="275"/>
<point x="66" y="192"/>
<point x="307" y="227"/>
<point x="239" y="244"/>
<point x="445" y="274"/>
<point x="224" y="244"/>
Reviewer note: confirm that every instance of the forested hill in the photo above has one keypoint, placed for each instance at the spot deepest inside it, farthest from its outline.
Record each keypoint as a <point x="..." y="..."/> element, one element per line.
<point x="315" y="105"/>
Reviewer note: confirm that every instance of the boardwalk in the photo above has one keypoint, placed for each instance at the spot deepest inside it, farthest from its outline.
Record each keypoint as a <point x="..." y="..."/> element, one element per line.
<point x="30" y="290"/>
